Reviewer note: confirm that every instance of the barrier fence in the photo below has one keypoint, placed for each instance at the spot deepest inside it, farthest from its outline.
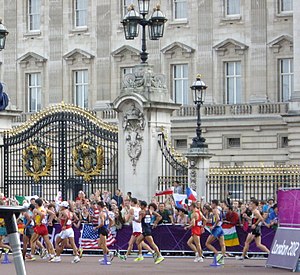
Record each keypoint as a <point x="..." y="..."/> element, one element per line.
<point x="242" y="182"/>
<point x="173" y="238"/>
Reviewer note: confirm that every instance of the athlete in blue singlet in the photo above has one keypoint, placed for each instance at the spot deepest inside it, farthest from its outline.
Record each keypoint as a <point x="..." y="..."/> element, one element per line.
<point x="216" y="232"/>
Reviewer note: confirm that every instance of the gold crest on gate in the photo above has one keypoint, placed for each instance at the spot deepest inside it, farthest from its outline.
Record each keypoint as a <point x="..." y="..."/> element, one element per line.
<point x="37" y="160"/>
<point x="88" y="159"/>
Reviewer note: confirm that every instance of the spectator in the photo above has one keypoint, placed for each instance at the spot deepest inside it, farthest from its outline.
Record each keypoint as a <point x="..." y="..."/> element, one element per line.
<point x="273" y="217"/>
<point x="85" y="216"/>
<point x="118" y="197"/>
<point x="177" y="187"/>
<point x="182" y="217"/>
<point x="231" y="217"/>
<point x="269" y="205"/>
<point x="165" y="214"/>
<point x="106" y="197"/>
<point x="125" y="210"/>
<point x="129" y="195"/>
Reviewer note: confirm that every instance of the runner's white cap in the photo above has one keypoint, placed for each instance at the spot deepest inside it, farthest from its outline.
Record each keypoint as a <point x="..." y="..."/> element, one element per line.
<point x="64" y="204"/>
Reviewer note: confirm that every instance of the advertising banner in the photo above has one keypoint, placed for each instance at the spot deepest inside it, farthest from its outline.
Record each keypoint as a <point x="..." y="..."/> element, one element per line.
<point x="285" y="249"/>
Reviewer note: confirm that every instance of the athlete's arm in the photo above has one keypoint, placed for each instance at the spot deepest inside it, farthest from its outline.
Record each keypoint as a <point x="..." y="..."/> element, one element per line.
<point x="217" y="217"/>
<point x="194" y="217"/>
<point x="28" y="218"/>
<point x="129" y="215"/>
<point x="259" y="218"/>
<point x="158" y="218"/>
<point x="141" y="215"/>
<point x="101" y="221"/>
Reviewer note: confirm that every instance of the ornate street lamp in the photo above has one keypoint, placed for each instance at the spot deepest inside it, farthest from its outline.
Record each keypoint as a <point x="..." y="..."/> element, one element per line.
<point x="133" y="19"/>
<point x="198" y="88"/>
<point x="3" y="34"/>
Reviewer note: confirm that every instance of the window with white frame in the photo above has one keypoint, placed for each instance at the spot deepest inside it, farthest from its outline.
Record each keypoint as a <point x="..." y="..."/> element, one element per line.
<point x="34" y="91"/>
<point x="34" y="16"/>
<point x="180" y="83"/>
<point x="286" y="74"/>
<point x="81" y="88"/>
<point x="126" y="70"/>
<point x="180" y="9"/>
<point x="285" y="6"/>
<point x="80" y="11"/>
<point x="125" y="6"/>
<point x="232" y="7"/>
<point x="233" y="82"/>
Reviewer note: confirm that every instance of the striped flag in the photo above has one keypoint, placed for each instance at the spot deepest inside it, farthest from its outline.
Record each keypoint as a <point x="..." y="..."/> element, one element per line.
<point x="89" y="238"/>
<point x="165" y="192"/>
<point x="230" y="235"/>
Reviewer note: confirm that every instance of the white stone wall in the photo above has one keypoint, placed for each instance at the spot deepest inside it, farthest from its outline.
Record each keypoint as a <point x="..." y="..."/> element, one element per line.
<point x="207" y="39"/>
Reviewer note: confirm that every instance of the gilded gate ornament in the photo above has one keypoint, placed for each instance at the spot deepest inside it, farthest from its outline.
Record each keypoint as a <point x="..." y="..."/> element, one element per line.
<point x="37" y="160"/>
<point x="88" y="159"/>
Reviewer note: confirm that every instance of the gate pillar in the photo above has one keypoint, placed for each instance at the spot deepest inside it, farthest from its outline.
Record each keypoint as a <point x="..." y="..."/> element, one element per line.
<point x="198" y="168"/>
<point x="144" y="107"/>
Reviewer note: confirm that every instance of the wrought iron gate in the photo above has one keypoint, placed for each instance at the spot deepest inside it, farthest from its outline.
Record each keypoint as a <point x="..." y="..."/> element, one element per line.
<point x="63" y="148"/>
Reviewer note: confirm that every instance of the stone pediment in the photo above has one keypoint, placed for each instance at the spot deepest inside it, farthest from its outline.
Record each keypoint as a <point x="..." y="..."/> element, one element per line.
<point x="120" y="53"/>
<point x="79" y="56"/>
<point x="230" y="44"/>
<point x="31" y="59"/>
<point x="281" y="41"/>
<point x="175" y="47"/>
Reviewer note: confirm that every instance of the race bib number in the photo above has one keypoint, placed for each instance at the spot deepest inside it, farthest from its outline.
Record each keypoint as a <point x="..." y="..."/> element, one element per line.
<point x="200" y="223"/>
<point x="147" y="219"/>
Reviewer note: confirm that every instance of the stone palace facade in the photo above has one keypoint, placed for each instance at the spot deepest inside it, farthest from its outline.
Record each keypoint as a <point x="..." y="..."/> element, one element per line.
<point x="246" y="50"/>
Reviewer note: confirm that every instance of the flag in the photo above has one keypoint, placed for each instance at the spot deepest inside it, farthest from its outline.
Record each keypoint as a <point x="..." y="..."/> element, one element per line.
<point x="191" y="194"/>
<point x="180" y="200"/>
<point x="165" y="192"/>
<point x="89" y="238"/>
<point x="20" y="199"/>
<point x="230" y="235"/>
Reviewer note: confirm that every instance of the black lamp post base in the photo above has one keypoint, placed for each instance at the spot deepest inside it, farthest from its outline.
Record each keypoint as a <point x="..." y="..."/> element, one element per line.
<point x="199" y="142"/>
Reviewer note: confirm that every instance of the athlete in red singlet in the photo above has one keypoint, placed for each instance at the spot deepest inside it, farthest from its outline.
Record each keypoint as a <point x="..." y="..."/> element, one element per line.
<point x="196" y="226"/>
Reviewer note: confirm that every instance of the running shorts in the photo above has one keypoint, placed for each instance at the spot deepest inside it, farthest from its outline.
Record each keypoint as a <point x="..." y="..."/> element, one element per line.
<point x="147" y="233"/>
<point x="196" y="230"/>
<point x="217" y="232"/>
<point x="103" y="231"/>
<point x="28" y="231"/>
<point x="41" y="230"/>
<point x="136" y="234"/>
<point x="256" y="231"/>
<point x="67" y="233"/>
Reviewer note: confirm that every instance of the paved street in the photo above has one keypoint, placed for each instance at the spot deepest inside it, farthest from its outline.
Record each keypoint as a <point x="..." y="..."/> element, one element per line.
<point x="89" y="266"/>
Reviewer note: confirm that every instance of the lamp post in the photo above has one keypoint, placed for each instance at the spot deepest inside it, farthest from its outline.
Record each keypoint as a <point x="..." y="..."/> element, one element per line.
<point x="155" y="23"/>
<point x="198" y="88"/>
<point x="3" y="34"/>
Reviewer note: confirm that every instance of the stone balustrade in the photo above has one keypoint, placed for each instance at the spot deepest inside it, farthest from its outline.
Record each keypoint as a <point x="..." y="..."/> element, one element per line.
<point x="234" y="110"/>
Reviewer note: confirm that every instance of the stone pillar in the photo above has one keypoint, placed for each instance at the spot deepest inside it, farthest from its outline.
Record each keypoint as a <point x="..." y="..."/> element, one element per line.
<point x="144" y="107"/>
<point x="6" y="120"/>
<point x="295" y="100"/>
<point x="198" y="169"/>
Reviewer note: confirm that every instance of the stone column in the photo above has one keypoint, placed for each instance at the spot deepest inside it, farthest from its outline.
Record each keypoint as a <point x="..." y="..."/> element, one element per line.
<point x="198" y="169"/>
<point x="144" y="107"/>
<point x="295" y="100"/>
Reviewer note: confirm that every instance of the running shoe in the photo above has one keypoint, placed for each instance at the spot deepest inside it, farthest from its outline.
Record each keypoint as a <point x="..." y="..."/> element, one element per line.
<point x="138" y="259"/>
<point x="30" y="258"/>
<point x="105" y="262"/>
<point x="220" y="259"/>
<point x="111" y="255"/>
<point x="80" y="251"/>
<point x="154" y="255"/>
<point x="43" y="253"/>
<point x="241" y="258"/>
<point x="6" y="250"/>
<point x="56" y="259"/>
<point x="122" y="257"/>
<point x="159" y="260"/>
<point x="198" y="260"/>
<point x="76" y="260"/>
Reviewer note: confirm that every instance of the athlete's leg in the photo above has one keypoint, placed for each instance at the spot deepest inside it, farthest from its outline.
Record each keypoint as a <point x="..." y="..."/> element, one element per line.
<point x="130" y="245"/>
<point x="33" y="241"/>
<point x="249" y="239"/>
<point x="74" y="247"/>
<point x="139" y="241"/>
<point x="49" y="245"/>
<point x="198" y="244"/>
<point x="222" y="245"/>
<point x="25" y="244"/>
<point x="260" y="245"/>
<point x="208" y="244"/>
<point x="146" y="247"/>
<point x="151" y="242"/>
<point x="59" y="245"/>
<point x="190" y="243"/>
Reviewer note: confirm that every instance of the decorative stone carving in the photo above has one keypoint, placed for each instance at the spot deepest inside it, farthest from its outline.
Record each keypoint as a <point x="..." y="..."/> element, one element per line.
<point x="134" y="125"/>
<point x="193" y="175"/>
<point x="144" y="78"/>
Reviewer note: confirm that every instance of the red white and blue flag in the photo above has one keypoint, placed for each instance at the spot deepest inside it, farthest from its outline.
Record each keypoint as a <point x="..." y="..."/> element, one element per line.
<point x="89" y="238"/>
<point x="191" y="194"/>
<point x="180" y="200"/>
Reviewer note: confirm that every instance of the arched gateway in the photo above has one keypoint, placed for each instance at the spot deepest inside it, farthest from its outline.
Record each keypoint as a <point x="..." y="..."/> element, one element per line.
<point x="62" y="148"/>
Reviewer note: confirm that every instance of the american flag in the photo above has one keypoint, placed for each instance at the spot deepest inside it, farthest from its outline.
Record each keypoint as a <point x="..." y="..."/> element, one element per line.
<point x="89" y="238"/>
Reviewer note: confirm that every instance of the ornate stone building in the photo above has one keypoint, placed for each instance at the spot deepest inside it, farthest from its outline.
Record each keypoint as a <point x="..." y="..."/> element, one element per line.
<point x="246" y="50"/>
